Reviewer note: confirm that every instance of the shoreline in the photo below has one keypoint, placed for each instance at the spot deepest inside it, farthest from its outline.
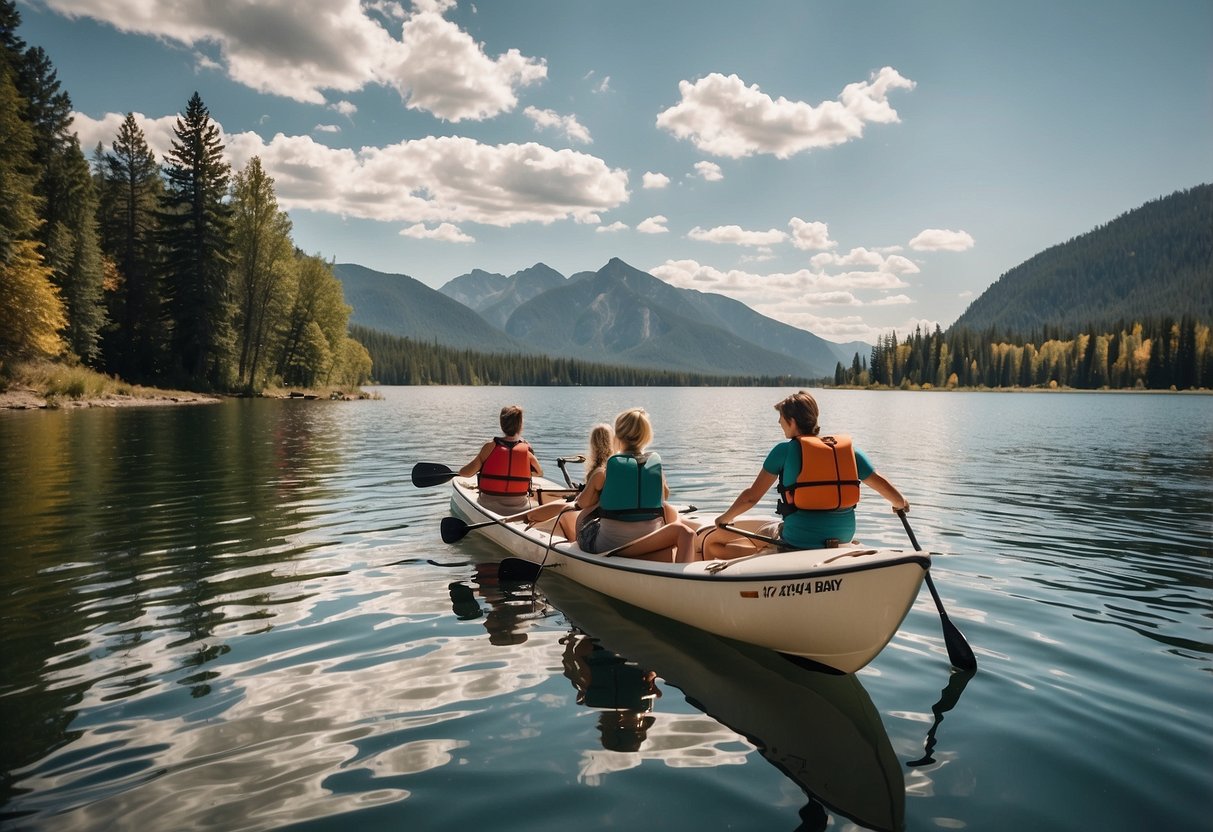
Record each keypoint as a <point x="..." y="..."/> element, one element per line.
<point x="23" y="397"/>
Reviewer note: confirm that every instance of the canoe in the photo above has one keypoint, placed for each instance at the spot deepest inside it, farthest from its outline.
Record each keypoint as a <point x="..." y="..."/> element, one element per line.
<point x="836" y="608"/>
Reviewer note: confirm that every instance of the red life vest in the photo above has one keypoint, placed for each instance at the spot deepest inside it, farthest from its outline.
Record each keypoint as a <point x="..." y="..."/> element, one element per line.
<point x="828" y="479"/>
<point x="506" y="471"/>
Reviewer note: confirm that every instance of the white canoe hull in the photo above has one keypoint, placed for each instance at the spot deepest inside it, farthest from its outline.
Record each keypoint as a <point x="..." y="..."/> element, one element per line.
<point x="835" y="607"/>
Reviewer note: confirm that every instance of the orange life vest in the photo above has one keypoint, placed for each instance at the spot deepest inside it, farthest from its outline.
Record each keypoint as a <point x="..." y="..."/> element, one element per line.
<point x="506" y="471"/>
<point x="828" y="478"/>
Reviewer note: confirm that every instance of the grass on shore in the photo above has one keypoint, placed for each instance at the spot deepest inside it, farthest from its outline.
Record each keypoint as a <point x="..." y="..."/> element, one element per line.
<point x="54" y="382"/>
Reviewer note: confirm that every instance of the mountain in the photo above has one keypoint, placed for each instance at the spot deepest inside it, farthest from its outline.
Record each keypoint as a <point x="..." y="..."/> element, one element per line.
<point x="1151" y="262"/>
<point x="495" y="296"/>
<point x="401" y="305"/>
<point x="620" y="314"/>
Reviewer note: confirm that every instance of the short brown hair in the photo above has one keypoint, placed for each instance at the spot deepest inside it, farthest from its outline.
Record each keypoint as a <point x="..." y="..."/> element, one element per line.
<point x="511" y="419"/>
<point x="801" y="408"/>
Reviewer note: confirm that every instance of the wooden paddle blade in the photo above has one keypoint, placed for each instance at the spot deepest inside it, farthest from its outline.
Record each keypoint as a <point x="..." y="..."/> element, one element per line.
<point x="453" y="529"/>
<point x="517" y="569"/>
<point x="426" y="474"/>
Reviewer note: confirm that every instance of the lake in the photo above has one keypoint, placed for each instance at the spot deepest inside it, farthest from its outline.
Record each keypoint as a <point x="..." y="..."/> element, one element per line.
<point x="241" y="617"/>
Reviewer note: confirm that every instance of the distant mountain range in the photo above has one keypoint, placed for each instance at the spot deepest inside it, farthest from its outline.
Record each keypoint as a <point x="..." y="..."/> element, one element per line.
<point x="616" y="315"/>
<point x="1151" y="262"/>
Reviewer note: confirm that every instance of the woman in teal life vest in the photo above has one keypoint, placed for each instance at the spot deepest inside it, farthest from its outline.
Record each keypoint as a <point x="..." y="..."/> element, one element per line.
<point x="623" y="503"/>
<point x="818" y="493"/>
<point x="504" y="466"/>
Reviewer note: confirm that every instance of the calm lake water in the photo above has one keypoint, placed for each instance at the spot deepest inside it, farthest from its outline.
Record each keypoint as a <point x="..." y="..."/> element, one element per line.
<point x="241" y="616"/>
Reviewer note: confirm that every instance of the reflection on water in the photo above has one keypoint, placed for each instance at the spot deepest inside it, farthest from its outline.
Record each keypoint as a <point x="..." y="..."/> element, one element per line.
<point x="242" y="617"/>
<point x="822" y="731"/>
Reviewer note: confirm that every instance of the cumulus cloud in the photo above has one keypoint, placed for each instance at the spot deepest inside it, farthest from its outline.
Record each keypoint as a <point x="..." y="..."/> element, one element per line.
<point x="653" y="225"/>
<point x="892" y="300"/>
<point x="553" y="120"/>
<point x="445" y="233"/>
<point x="801" y="298"/>
<point x="709" y="171"/>
<point x="303" y="50"/>
<point x="346" y="108"/>
<point x="736" y="235"/>
<point x="655" y="180"/>
<point x="326" y="128"/>
<point x="430" y="180"/>
<point x="810" y="236"/>
<point x="612" y="228"/>
<point x="723" y="116"/>
<point x="940" y="239"/>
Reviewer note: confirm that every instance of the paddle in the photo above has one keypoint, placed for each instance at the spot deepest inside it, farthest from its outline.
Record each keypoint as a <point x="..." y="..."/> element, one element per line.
<point x="426" y="474"/>
<point x="959" y="651"/>
<point x="454" y="529"/>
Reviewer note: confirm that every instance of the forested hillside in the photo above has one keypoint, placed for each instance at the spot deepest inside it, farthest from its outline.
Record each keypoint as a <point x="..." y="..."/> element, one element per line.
<point x="405" y="361"/>
<point x="1152" y="262"/>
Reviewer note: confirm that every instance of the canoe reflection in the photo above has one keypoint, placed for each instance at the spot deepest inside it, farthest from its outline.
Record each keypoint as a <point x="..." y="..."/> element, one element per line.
<point x="510" y="606"/>
<point x="822" y="731"/>
<point x="622" y="692"/>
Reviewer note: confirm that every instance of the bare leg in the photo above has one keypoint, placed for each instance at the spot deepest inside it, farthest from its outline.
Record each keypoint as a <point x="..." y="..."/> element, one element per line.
<point x="725" y="545"/>
<point x="674" y="543"/>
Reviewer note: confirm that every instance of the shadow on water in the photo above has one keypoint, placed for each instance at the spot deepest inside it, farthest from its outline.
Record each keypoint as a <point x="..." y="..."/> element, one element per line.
<point x="822" y="731"/>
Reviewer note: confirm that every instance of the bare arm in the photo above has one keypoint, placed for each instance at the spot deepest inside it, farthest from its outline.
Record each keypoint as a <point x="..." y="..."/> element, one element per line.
<point x="592" y="493"/>
<point x="748" y="498"/>
<point x="887" y="490"/>
<point x="474" y="466"/>
<point x="536" y="469"/>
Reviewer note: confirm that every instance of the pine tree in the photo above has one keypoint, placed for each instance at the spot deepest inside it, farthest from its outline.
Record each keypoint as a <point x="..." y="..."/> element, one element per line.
<point x="130" y="192"/>
<point x="195" y="234"/>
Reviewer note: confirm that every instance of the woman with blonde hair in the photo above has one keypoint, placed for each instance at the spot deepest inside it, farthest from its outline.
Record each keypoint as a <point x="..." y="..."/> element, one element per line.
<point x="623" y="504"/>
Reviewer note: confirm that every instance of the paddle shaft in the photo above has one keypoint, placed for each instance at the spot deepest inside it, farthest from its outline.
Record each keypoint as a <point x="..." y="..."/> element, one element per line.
<point x="959" y="651"/>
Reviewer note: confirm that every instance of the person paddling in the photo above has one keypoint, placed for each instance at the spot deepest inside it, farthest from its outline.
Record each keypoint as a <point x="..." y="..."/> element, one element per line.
<point x="624" y="502"/>
<point x="504" y="467"/>
<point x="818" y="481"/>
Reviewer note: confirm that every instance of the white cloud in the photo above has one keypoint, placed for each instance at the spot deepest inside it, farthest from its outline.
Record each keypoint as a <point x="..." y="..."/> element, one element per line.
<point x="940" y="239"/>
<point x="723" y="116"/>
<point x="565" y="124"/>
<point x="655" y="180"/>
<point x="710" y="171"/>
<point x="302" y="50"/>
<point x="326" y="128"/>
<point x="429" y="180"/>
<point x="892" y="300"/>
<point x="797" y="298"/>
<point x="445" y="233"/>
<point x="346" y="108"/>
<point x="735" y="235"/>
<point x="810" y="236"/>
<point x="653" y="225"/>
<point x="612" y="228"/>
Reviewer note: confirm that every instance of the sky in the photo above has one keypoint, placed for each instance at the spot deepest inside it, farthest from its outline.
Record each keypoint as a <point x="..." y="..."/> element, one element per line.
<point x="851" y="168"/>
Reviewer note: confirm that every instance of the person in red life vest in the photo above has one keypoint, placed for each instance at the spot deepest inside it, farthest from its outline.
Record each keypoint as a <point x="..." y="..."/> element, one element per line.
<point x="623" y="506"/>
<point x="504" y="467"/>
<point x="818" y="478"/>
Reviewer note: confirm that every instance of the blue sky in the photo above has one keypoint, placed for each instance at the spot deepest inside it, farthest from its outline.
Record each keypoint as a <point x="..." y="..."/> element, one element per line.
<point x="849" y="168"/>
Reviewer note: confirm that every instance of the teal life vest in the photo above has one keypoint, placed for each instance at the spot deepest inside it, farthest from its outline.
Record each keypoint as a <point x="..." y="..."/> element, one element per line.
<point x="632" y="490"/>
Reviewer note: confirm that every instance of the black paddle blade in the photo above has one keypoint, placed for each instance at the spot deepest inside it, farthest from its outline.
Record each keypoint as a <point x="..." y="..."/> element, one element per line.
<point x="517" y="569"/>
<point x="453" y="529"/>
<point x="426" y="474"/>
<point x="960" y="654"/>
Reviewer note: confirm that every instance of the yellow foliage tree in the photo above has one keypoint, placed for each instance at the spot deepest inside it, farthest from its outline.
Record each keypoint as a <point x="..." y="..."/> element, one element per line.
<point x="31" y="311"/>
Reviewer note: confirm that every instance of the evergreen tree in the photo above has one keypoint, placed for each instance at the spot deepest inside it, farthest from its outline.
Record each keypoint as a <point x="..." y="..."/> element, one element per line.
<point x="131" y="188"/>
<point x="195" y="234"/>
<point x="67" y="200"/>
